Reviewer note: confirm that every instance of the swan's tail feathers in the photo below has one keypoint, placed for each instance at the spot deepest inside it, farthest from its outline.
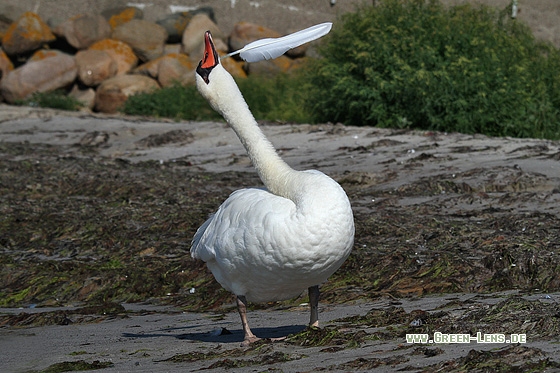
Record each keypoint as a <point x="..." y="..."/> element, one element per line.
<point x="267" y="49"/>
<point x="199" y="250"/>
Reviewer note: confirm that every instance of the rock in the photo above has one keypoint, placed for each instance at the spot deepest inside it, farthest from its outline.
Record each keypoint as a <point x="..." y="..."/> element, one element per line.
<point x="149" y="68"/>
<point x="121" y="15"/>
<point x="244" y="33"/>
<point x="193" y="37"/>
<point x="95" y="66"/>
<point x="5" y="23"/>
<point x="84" y="30"/>
<point x="26" y="34"/>
<point x="122" y="54"/>
<point x="234" y="67"/>
<point x="41" y="54"/>
<point x="273" y="67"/>
<point x="175" y="24"/>
<point x="169" y="69"/>
<point x="5" y="67"/>
<point x="113" y="92"/>
<point x="147" y="39"/>
<point x="172" y="48"/>
<point x="176" y="68"/>
<point x="54" y="22"/>
<point x="6" y="64"/>
<point x="85" y="96"/>
<point x="208" y="10"/>
<point x="38" y="76"/>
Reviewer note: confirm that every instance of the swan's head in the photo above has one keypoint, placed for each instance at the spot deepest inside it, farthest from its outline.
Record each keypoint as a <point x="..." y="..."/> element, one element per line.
<point x="215" y="84"/>
<point x="210" y="59"/>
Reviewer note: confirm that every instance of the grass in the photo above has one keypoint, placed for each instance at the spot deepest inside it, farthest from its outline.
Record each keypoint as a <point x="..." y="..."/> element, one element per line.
<point x="279" y="99"/>
<point x="55" y="100"/>
<point x="176" y="102"/>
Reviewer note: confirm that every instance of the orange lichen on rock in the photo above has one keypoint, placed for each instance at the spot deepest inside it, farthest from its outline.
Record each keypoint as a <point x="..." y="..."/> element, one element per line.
<point x="29" y="32"/>
<point x="5" y="64"/>
<point x="182" y="58"/>
<point x="123" y="17"/>
<point x="235" y="68"/>
<point x="151" y="67"/>
<point x="169" y="69"/>
<point x="121" y="52"/>
<point x="41" y="54"/>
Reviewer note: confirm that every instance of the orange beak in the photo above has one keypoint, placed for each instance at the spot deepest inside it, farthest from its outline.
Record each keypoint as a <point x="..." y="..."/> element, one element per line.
<point x="210" y="58"/>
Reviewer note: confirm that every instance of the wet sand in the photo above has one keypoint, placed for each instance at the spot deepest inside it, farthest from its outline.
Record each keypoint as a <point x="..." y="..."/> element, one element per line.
<point x="505" y="177"/>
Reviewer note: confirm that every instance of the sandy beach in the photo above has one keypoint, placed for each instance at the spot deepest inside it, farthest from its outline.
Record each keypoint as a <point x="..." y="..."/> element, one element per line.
<point x="417" y="176"/>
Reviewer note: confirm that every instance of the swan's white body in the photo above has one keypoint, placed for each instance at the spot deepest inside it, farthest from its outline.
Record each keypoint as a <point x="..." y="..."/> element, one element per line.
<point x="267" y="247"/>
<point x="270" y="244"/>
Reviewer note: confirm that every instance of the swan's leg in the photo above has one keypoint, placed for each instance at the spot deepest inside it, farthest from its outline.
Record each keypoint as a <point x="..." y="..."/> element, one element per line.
<point x="314" y="303"/>
<point x="242" y="308"/>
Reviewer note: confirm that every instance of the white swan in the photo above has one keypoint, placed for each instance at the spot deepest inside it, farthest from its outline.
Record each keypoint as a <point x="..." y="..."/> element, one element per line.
<point x="267" y="245"/>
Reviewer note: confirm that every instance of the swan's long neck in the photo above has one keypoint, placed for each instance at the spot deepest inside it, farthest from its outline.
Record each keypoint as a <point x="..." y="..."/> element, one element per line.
<point x="226" y="98"/>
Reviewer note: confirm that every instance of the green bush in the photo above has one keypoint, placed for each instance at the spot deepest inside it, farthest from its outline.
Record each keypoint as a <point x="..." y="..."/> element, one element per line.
<point x="279" y="99"/>
<point x="272" y="99"/>
<point x="54" y="100"/>
<point x="176" y="102"/>
<point x="418" y="64"/>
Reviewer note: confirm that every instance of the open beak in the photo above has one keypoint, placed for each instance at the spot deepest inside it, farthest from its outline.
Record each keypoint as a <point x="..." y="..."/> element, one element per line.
<point x="210" y="58"/>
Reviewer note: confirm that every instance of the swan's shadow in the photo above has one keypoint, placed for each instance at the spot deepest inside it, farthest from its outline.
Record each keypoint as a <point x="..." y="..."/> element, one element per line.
<point x="222" y="335"/>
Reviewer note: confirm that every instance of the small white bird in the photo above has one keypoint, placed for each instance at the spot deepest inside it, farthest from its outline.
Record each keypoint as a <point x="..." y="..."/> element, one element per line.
<point x="269" y="244"/>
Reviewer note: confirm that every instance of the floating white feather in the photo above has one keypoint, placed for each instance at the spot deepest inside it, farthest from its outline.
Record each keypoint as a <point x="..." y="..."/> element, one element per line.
<point x="267" y="49"/>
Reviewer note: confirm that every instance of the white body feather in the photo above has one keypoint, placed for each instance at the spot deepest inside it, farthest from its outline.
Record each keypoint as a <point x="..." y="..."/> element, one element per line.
<point x="270" y="48"/>
<point x="271" y="244"/>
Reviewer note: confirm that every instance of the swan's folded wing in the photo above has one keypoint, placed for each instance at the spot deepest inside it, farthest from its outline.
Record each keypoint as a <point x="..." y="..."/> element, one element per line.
<point x="245" y="219"/>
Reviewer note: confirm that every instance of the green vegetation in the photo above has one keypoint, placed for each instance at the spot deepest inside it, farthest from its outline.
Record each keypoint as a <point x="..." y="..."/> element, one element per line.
<point x="55" y="100"/>
<point x="277" y="99"/>
<point x="80" y="365"/>
<point x="418" y="64"/>
<point x="177" y="102"/>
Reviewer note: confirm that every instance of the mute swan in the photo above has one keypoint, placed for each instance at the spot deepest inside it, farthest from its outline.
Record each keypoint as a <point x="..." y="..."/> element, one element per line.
<point x="269" y="244"/>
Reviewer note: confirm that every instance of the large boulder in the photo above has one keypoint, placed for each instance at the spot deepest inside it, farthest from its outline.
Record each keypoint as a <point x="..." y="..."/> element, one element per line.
<point x="234" y="67"/>
<point x="95" y="66"/>
<point x="42" y="75"/>
<point x="121" y="15"/>
<point x="193" y="36"/>
<point x="41" y="54"/>
<point x="5" y="67"/>
<point x="113" y="93"/>
<point x="5" y="23"/>
<point x="169" y="69"/>
<point x="175" y="24"/>
<point x="84" y="95"/>
<point x="26" y="34"/>
<point x="271" y="68"/>
<point x="83" y="30"/>
<point x="122" y="54"/>
<point x="176" y="68"/>
<point x="6" y="64"/>
<point x="147" y="39"/>
<point x="244" y="33"/>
